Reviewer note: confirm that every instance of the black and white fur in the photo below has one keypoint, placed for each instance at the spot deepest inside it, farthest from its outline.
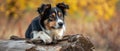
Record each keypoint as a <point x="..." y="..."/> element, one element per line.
<point x="49" y="25"/>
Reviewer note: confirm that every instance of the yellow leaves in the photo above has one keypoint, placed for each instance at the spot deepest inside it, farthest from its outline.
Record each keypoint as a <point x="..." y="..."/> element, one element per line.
<point x="73" y="6"/>
<point x="21" y="4"/>
<point x="97" y="8"/>
<point x="31" y="4"/>
<point x="83" y="3"/>
<point x="102" y="8"/>
<point x="14" y="7"/>
<point x="8" y="1"/>
<point x="108" y="10"/>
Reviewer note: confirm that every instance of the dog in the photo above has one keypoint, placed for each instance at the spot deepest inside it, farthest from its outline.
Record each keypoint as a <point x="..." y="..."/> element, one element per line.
<point x="49" y="25"/>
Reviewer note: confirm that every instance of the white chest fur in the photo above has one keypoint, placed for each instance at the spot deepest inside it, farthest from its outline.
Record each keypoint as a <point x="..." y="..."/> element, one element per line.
<point x="57" y="33"/>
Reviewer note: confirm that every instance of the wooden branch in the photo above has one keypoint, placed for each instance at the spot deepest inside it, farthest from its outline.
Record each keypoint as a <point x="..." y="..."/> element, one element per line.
<point x="69" y="43"/>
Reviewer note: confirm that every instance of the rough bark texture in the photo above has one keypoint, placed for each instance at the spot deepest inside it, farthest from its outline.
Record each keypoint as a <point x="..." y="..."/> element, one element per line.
<point x="68" y="43"/>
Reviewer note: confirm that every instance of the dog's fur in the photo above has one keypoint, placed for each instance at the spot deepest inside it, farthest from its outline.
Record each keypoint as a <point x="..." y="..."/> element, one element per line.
<point x="49" y="25"/>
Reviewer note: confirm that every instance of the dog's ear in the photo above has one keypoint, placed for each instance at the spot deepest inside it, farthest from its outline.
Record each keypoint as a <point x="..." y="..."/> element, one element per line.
<point x="45" y="7"/>
<point x="63" y="7"/>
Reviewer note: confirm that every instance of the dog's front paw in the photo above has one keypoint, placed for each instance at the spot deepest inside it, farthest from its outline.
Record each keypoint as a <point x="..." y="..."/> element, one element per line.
<point x="57" y="37"/>
<point x="46" y="38"/>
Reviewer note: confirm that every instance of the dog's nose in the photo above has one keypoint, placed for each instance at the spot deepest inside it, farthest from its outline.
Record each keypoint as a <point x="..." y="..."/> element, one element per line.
<point x="60" y="24"/>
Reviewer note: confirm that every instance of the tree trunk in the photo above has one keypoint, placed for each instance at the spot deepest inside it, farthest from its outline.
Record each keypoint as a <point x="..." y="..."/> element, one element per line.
<point x="68" y="43"/>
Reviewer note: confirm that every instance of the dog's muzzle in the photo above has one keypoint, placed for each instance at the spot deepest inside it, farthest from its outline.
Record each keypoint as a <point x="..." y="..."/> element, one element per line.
<point x="59" y="25"/>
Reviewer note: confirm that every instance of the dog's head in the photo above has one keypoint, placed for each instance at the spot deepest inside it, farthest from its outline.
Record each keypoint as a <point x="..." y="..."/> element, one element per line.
<point x="53" y="17"/>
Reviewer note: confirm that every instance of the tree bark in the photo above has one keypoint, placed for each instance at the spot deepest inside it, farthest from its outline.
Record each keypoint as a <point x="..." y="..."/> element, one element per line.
<point x="69" y="43"/>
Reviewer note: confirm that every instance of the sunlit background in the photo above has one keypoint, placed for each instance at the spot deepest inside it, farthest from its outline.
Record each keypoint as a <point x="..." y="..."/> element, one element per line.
<point x="99" y="20"/>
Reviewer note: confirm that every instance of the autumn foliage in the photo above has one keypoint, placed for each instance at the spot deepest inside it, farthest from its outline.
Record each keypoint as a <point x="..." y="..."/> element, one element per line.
<point x="98" y="19"/>
<point x="101" y="9"/>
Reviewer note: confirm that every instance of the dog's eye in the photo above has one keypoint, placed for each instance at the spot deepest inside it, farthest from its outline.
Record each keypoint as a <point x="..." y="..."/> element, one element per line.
<point x="51" y="18"/>
<point x="60" y="14"/>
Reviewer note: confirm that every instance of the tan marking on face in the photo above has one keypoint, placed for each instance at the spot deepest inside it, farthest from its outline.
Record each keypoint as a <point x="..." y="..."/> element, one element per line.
<point x="49" y="25"/>
<point x="59" y="13"/>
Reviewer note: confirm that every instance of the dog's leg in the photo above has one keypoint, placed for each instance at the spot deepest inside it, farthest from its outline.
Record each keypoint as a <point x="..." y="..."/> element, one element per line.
<point x="42" y="36"/>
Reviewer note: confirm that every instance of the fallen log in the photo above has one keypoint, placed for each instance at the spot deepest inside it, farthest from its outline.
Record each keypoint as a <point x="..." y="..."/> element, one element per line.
<point x="69" y="43"/>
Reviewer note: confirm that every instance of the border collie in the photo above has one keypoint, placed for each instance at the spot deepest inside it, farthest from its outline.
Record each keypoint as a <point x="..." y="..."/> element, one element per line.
<point x="49" y="25"/>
